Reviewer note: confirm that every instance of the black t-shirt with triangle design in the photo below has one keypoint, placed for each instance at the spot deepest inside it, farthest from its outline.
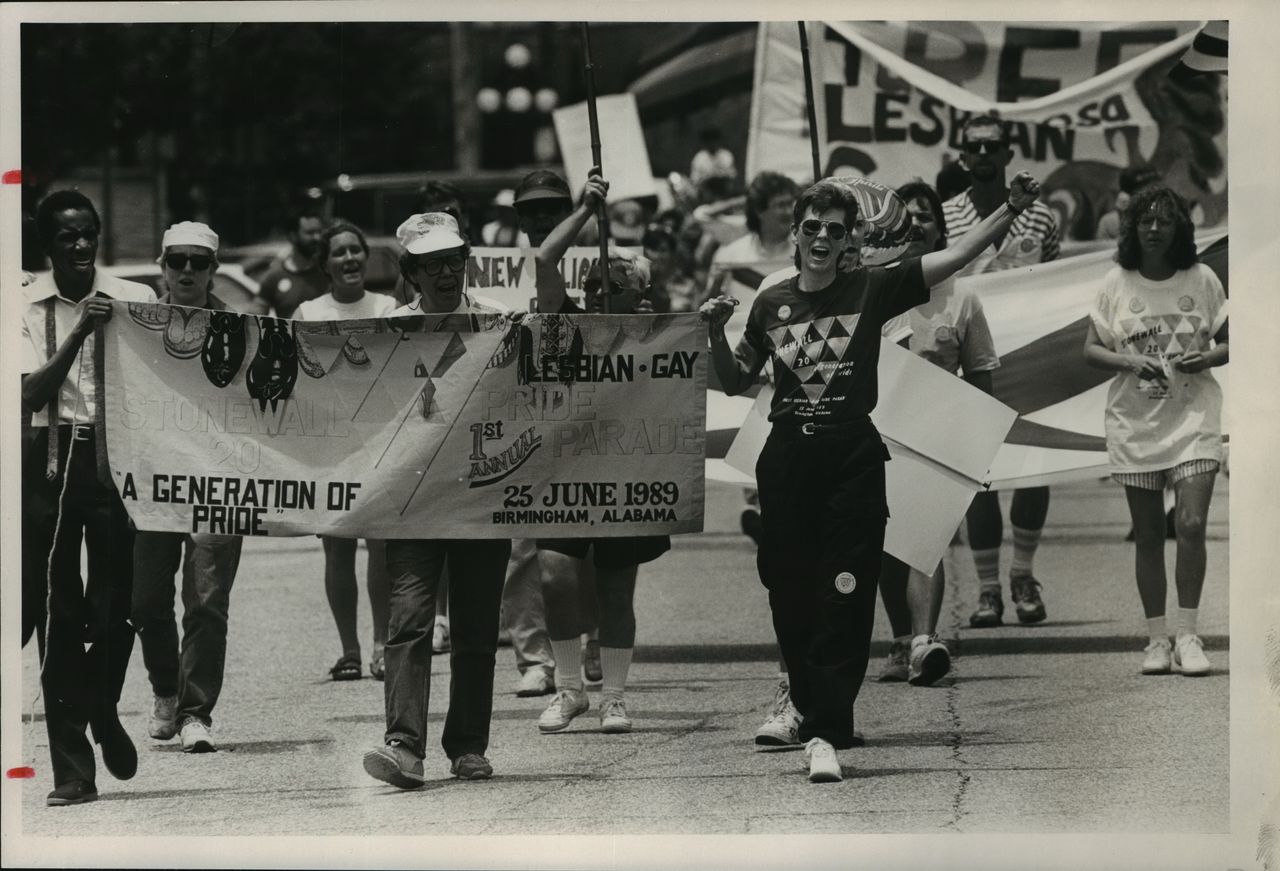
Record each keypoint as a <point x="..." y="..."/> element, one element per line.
<point x="825" y="345"/>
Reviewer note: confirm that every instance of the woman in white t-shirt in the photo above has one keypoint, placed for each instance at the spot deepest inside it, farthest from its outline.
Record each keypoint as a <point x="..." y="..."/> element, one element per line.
<point x="1160" y="322"/>
<point x="344" y="254"/>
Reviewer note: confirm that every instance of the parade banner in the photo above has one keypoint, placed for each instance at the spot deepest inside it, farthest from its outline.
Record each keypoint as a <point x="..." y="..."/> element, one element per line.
<point x="935" y="470"/>
<point x="507" y="277"/>
<point x="435" y="426"/>
<point x="1084" y="101"/>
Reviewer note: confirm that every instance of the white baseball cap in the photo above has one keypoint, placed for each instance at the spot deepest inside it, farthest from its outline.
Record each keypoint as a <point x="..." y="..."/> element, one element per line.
<point x="190" y="233"/>
<point x="429" y="232"/>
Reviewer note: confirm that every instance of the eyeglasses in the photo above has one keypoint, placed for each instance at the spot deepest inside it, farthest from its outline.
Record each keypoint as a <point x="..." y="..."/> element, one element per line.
<point x="813" y="227"/>
<point x="984" y="147"/>
<point x="199" y="262"/>
<point x="434" y="265"/>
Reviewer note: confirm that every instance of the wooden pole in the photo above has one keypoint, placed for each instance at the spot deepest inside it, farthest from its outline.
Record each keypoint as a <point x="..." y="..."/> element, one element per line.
<point x="593" y="120"/>
<point x="809" y="103"/>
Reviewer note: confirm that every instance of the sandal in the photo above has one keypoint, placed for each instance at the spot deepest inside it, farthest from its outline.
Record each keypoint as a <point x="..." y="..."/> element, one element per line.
<point x="378" y="668"/>
<point x="346" y="668"/>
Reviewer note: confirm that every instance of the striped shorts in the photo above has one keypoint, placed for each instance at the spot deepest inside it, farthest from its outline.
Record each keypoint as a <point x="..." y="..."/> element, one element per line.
<point x="1158" y="479"/>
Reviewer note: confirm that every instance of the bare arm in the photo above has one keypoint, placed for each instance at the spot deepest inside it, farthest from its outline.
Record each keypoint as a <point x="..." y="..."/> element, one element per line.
<point x="550" y="283"/>
<point x="938" y="266"/>
<point x="39" y="388"/>
<point x="732" y="377"/>
<point x="1198" y="361"/>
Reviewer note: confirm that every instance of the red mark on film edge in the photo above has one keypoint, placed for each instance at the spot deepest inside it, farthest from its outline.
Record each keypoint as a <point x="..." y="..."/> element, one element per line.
<point x="12" y="176"/>
<point x="20" y="773"/>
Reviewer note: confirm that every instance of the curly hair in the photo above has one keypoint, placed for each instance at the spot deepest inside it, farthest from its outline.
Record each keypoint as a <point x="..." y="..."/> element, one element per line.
<point x="326" y="238"/>
<point x="763" y="188"/>
<point x="1182" y="248"/>
<point x="918" y="190"/>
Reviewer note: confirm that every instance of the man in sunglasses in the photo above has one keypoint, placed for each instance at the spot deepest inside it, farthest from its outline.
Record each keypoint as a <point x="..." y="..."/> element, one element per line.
<point x="1032" y="238"/>
<point x="821" y="472"/>
<point x="434" y="265"/>
<point x="68" y="498"/>
<point x="297" y="275"/>
<point x="570" y="565"/>
<point x="186" y="685"/>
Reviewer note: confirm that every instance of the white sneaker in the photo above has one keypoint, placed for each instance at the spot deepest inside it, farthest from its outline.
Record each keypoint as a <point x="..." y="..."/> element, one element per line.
<point x="930" y="660"/>
<point x="164" y="718"/>
<point x="537" y="681"/>
<point x="563" y="708"/>
<point x="895" y="666"/>
<point x="440" y="642"/>
<point x="196" y="738"/>
<point x="824" y="765"/>
<point x="782" y="729"/>
<point x="613" y="716"/>
<point x="1188" y="656"/>
<point x="1159" y="657"/>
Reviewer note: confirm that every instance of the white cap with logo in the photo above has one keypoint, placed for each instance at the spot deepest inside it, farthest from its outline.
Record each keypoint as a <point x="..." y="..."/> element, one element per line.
<point x="430" y="232"/>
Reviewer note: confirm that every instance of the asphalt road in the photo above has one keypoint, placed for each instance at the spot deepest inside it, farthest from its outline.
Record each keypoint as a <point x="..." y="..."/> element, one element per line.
<point x="1043" y="729"/>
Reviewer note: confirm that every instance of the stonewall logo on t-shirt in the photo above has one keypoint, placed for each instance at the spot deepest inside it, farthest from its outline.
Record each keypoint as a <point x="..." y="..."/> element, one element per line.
<point x="811" y="352"/>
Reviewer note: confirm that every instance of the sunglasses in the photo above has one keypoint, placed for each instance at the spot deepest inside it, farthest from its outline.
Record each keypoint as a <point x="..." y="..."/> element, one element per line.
<point x="199" y="262"/>
<point x="434" y="265"/>
<point x="984" y="147"/>
<point x="813" y="227"/>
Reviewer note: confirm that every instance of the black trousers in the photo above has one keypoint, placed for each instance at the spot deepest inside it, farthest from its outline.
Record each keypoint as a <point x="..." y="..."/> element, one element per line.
<point x="823" y="511"/>
<point x="81" y="686"/>
<point x="477" y="570"/>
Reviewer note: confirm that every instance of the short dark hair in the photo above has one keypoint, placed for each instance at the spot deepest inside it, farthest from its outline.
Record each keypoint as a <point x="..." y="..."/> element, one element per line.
<point x="436" y="191"/>
<point x="1182" y="248"/>
<point x="763" y="188"/>
<point x="823" y="195"/>
<point x="326" y="238"/>
<point x="1135" y="178"/>
<point x="61" y="201"/>
<point x="913" y="190"/>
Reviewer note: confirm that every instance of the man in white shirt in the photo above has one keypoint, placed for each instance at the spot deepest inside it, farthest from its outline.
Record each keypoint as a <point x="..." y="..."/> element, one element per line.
<point x="68" y="496"/>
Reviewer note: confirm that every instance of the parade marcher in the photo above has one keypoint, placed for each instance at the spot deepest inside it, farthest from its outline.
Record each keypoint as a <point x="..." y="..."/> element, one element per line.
<point x="434" y="265"/>
<point x="821" y="472"/>
<point x="1160" y="323"/>
<point x="85" y="638"/>
<point x="950" y="331"/>
<point x="1031" y="239"/>
<point x="344" y="256"/>
<point x="297" y="276"/>
<point x="616" y="560"/>
<point x="186" y="684"/>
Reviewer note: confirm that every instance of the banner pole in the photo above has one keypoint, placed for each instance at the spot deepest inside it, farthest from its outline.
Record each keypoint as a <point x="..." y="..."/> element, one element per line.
<point x="602" y="217"/>
<point x="809" y="103"/>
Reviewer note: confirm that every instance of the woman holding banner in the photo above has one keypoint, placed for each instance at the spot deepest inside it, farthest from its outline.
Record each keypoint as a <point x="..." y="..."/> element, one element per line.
<point x="1160" y="323"/>
<point x="821" y="473"/>
<point x="616" y="560"/>
<point x="344" y="255"/>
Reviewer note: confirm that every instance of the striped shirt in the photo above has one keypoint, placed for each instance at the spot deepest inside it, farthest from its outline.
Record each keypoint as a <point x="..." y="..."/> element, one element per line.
<point x="1032" y="238"/>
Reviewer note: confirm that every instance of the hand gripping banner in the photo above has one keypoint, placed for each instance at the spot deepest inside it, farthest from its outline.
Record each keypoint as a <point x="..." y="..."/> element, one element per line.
<point x="436" y="426"/>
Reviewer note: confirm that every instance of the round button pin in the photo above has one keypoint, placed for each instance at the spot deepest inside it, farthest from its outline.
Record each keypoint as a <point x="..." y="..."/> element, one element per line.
<point x="846" y="583"/>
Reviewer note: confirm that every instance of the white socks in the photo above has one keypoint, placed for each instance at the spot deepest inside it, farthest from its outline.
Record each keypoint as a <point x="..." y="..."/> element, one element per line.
<point x="1156" y="629"/>
<point x="1184" y="621"/>
<point x="568" y="652"/>
<point x="615" y="662"/>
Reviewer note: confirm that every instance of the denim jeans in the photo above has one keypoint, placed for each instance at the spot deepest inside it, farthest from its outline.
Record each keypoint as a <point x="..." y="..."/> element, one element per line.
<point x="476" y="571"/>
<point x="208" y="571"/>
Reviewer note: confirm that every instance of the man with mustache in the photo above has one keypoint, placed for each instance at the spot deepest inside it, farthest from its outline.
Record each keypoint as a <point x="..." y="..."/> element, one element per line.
<point x="297" y="275"/>
<point x="68" y="497"/>
<point x="1032" y="238"/>
<point x="186" y="685"/>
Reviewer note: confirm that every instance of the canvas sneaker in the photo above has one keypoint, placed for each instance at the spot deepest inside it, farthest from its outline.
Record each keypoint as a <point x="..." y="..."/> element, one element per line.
<point x="196" y="738"/>
<point x="1159" y="657"/>
<point x="990" y="610"/>
<point x="566" y="705"/>
<point x="1188" y="656"/>
<point x="896" y="664"/>
<point x="613" y="716"/>
<point x="824" y="765"/>
<point x="471" y="766"/>
<point x="1025" y="592"/>
<point x="395" y="764"/>
<point x="782" y="729"/>
<point x="930" y="660"/>
<point x="164" y="718"/>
